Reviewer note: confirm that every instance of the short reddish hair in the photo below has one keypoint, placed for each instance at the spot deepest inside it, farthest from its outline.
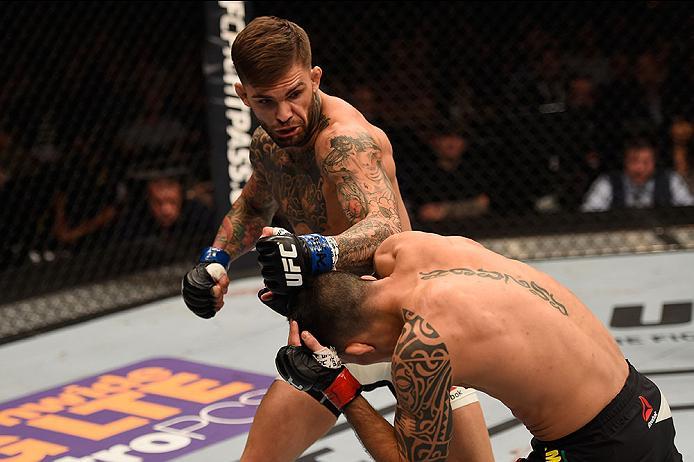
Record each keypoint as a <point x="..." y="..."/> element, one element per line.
<point x="267" y="48"/>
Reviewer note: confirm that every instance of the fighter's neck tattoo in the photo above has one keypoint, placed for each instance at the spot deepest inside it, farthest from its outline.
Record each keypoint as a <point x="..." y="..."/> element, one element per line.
<point x="532" y="286"/>
<point x="317" y="122"/>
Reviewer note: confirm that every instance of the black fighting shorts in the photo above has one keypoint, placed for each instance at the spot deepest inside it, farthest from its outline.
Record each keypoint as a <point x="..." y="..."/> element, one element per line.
<point x="635" y="426"/>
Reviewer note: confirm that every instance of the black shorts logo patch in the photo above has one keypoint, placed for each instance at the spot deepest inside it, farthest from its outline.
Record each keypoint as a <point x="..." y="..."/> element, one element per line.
<point x="647" y="412"/>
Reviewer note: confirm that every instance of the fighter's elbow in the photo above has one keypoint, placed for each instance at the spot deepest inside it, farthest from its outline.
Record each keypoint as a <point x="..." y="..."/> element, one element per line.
<point x="384" y="226"/>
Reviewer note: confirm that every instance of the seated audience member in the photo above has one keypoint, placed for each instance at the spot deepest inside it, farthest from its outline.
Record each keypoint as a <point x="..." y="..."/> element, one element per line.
<point x="639" y="185"/>
<point x="682" y="148"/>
<point x="86" y="207"/>
<point x="166" y="210"/>
<point x="448" y="187"/>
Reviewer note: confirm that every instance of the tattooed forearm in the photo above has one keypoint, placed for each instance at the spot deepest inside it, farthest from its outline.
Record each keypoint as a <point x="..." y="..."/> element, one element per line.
<point x="366" y="195"/>
<point x="422" y="378"/>
<point x="240" y="229"/>
<point x="254" y="208"/>
<point x="532" y="286"/>
<point x="359" y="243"/>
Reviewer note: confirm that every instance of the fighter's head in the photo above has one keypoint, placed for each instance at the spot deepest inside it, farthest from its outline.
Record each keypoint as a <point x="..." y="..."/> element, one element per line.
<point x="343" y="310"/>
<point x="272" y="57"/>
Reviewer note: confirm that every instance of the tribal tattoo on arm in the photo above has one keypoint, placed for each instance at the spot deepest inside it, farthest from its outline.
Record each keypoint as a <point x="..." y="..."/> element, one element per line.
<point x="422" y="379"/>
<point x="254" y="208"/>
<point x="354" y="164"/>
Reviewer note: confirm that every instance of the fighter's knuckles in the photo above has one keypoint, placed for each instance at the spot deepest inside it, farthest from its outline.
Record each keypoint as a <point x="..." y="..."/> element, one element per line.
<point x="216" y="271"/>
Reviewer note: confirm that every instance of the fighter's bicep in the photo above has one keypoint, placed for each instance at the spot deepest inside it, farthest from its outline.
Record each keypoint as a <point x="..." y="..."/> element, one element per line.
<point x="422" y="379"/>
<point x="354" y="164"/>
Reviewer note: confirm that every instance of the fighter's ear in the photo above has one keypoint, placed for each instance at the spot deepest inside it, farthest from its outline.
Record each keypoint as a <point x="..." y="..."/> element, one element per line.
<point x="242" y="93"/>
<point x="358" y="349"/>
<point x="316" y="74"/>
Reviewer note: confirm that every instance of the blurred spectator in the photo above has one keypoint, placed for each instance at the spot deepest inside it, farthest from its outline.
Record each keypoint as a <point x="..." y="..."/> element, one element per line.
<point x="364" y="98"/>
<point x="682" y="142"/>
<point x="541" y="84"/>
<point x="406" y="144"/>
<point x="578" y="159"/>
<point x="639" y="185"/>
<point x="587" y="56"/>
<point x="651" y="72"/>
<point x="84" y="211"/>
<point x="449" y="186"/>
<point x="616" y="104"/>
<point x="409" y="92"/>
<point x="157" y="134"/>
<point x="164" y="208"/>
<point x="634" y="102"/>
<point x="29" y="158"/>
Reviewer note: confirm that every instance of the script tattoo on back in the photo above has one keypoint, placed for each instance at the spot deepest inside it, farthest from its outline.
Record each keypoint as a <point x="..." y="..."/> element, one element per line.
<point x="422" y="379"/>
<point x="532" y="286"/>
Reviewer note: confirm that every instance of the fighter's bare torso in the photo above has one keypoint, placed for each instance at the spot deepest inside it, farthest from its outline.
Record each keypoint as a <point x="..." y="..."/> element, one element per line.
<point x="510" y="330"/>
<point x="299" y="181"/>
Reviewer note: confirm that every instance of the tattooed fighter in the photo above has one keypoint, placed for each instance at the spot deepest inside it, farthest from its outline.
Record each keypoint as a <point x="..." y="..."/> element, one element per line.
<point x="447" y="310"/>
<point x="320" y="164"/>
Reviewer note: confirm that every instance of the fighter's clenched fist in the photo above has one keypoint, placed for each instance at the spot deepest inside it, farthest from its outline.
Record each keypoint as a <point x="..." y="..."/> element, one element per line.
<point x="204" y="286"/>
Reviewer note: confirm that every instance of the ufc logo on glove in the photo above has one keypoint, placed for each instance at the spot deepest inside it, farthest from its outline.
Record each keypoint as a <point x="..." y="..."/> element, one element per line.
<point x="299" y="258"/>
<point x="292" y="272"/>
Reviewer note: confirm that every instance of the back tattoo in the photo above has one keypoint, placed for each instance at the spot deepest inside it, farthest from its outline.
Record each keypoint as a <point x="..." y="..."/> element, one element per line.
<point x="532" y="286"/>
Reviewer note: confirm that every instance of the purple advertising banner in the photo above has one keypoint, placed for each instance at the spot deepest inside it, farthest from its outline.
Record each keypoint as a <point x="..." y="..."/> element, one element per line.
<point x="154" y="410"/>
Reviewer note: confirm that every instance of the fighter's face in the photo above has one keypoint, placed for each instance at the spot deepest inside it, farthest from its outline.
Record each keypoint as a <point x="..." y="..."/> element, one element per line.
<point x="289" y="108"/>
<point x="639" y="165"/>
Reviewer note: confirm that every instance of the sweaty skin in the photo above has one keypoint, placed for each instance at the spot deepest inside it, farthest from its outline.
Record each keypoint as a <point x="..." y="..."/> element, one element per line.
<point x="464" y="314"/>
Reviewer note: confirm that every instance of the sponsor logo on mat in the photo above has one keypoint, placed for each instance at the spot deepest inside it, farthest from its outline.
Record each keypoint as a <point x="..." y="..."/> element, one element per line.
<point x="154" y="410"/>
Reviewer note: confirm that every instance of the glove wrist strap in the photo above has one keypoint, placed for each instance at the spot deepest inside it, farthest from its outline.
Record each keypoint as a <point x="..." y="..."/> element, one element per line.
<point x="343" y="389"/>
<point x="323" y="250"/>
<point x="215" y="255"/>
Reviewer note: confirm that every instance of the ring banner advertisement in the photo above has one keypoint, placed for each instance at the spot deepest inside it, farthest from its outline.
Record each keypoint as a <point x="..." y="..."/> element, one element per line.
<point x="229" y="120"/>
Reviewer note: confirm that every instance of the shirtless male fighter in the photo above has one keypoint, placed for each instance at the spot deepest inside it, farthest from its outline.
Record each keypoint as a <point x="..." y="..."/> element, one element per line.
<point x="323" y="167"/>
<point x="447" y="310"/>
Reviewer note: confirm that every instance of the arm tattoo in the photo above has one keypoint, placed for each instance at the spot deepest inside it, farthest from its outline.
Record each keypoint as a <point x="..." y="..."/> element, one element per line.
<point x="253" y="209"/>
<point x="368" y="201"/>
<point x="532" y="286"/>
<point x="422" y="379"/>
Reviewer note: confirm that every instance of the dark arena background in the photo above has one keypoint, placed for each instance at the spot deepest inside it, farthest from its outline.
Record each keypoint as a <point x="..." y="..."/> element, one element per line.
<point x="510" y="122"/>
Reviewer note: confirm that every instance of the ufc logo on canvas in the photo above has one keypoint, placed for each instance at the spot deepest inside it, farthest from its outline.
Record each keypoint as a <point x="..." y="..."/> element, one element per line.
<point x="673" y="313"/>
<point x="292" y="273"/>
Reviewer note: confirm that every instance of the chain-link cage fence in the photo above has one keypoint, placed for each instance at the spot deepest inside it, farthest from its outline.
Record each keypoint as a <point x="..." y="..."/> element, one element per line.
<point x="503" y="115"/>
<point x="104" y="158"/>
<point x="570" y="121"/>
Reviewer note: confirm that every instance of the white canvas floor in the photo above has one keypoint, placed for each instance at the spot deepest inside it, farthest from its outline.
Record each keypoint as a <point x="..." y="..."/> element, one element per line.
<point x="244" y="338"/>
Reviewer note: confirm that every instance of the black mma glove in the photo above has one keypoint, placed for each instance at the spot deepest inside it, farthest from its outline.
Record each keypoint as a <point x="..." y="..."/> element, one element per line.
<point x="281" y="304"/>
<point x="321" y="371"/>
<point x="197" y="284"/>
<point x="288" y="261"/>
